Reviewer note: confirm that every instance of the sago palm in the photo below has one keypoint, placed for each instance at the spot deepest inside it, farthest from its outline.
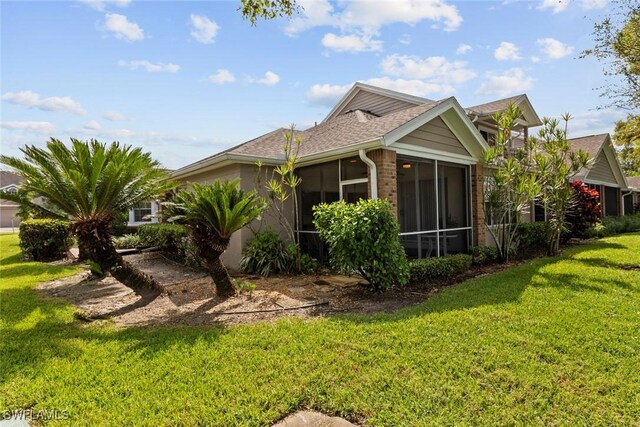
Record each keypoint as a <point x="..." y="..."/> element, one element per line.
<point x="213" y="212"/>
<point x="90" y="183"/>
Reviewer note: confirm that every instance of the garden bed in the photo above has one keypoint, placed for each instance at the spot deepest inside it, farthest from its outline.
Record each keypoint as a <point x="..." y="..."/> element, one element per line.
<point x="189" y="298"/>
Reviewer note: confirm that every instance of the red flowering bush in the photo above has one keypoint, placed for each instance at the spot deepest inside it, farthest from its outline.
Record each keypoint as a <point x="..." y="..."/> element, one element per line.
<point x="585" y="210"/>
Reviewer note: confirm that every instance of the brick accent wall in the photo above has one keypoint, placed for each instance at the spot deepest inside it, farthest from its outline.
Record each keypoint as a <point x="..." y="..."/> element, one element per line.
<point x="385" y="161"/>
<point x="477" y="191"/>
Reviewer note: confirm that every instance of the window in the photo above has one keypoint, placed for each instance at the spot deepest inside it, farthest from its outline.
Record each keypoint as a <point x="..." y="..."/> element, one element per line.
<point x="490" y="137"/>
<point x="141" y="212"/>
<point x="433" y="207"/>
<point x="344" y="179"/>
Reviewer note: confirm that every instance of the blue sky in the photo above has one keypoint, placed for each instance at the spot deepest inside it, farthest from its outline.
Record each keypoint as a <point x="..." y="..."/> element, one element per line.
<point x="185" y="79"/>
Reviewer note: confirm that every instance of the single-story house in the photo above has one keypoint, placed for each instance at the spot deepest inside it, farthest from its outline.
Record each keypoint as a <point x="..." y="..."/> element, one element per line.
<point x="9" y="182"/>
<point x="424" y="156"/>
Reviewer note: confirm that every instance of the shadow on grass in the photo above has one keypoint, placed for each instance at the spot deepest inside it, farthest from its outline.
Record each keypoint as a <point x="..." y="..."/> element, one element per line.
<point x="38" y="330"/>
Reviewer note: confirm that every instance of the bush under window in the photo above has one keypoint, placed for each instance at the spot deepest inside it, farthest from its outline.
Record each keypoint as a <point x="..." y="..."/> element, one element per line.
<point x="429" y="270"/>
<point x="363" y="237"/>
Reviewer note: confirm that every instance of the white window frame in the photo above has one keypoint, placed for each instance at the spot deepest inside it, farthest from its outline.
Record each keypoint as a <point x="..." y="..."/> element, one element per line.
<point x="154" y="210"/>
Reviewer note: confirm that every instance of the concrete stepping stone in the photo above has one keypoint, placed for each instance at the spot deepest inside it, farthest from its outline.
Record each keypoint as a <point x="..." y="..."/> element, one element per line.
<point x="313" y="419"/>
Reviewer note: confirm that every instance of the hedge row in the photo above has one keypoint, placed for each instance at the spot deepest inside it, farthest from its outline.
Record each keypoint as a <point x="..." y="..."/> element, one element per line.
<point x="432" y="269"/>
<point x="44" y="239"/>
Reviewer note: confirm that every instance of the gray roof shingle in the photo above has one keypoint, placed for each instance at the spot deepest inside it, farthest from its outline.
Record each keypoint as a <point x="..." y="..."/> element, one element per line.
<point x="347" y="129"/>
<point x="494" y="106"/>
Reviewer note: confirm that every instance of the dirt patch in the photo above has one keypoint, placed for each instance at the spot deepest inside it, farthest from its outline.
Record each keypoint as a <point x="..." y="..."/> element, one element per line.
<point x="189" y="298"/>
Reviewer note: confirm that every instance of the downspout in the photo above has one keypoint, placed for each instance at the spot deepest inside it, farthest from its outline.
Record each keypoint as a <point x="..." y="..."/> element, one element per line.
<point x="623" y="196"/>
<point x="373" y="171"/>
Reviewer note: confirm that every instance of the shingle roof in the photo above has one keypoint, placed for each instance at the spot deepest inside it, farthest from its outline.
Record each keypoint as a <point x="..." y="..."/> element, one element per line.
<point x="591" y="143"/>
<point x="8" y="178"/>
<point x="347" y="129"/>
<point x="634" y="182"/>
<point x="494" y="106"/>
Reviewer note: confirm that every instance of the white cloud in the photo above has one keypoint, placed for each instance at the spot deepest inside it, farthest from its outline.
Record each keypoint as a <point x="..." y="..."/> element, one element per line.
<point x="362" y="15"/>
<point x="507" y="83"/>
<point x="203" y="29"/>
<point x="556" y="6"/>
<point x="101" y="5"/>
<point x="594" y="4"/>
<point x="535" y="59"/>
<point x="114" y="116"/>
<point x="44" y="128"/>
<point x="507" y="52"/>
<point x="405" y="39"/>
<point x="270" y="78"/>
<point x="553" y="48"/>
<point x="221" y="77"/>
<point x="149" y="66"/>
<point x="351" y="43"/>
<point x="328" y="95"/>
<point x="594" y="122"/>
<point x="31" y="99"/>
<point x="122" y="28"/>
<point x="92" y="125"/>
<point x="436" y="68"/>
<point x="463" y="49"/>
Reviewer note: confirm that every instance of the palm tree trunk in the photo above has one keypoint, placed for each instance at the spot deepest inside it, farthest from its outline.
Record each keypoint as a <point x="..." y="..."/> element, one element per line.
<point x="221" y="278"/>
<point x="94" y="237"/>
<point x="210" y="249"/>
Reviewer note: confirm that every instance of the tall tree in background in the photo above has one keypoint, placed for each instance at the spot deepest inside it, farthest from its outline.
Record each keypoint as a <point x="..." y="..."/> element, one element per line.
<point x="617" y="44"/>
<point x="627" y="138"/>
<point x="268" y="9"/>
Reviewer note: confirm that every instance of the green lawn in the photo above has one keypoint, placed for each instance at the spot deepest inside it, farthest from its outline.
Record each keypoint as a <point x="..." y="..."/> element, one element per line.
<point x="551" y="342"/>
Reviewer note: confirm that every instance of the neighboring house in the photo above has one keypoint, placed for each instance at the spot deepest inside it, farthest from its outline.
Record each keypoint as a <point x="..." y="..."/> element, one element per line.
<point x="9" y="182"/>
<point x="631" y="198"/>
<point x="424" y="156"/>
<point x="604" y="172"/>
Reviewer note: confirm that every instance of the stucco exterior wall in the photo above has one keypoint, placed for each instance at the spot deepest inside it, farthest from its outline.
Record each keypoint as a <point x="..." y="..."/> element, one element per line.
<point x="247" y="174"/>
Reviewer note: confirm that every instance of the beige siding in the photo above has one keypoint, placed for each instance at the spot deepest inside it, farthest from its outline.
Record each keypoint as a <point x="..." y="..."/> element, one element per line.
<point x="230" y="172"/>
<point x="247" y="175"/>
<point x="601" y="171"/>
<point x="377" y="104"/>
<point x="8" y="216"/>
<point x="435" y="135"/>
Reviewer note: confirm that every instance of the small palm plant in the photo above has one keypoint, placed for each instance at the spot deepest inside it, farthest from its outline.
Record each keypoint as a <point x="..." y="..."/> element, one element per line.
<point x="213" y="212"/>
<point x="90" y="183"/>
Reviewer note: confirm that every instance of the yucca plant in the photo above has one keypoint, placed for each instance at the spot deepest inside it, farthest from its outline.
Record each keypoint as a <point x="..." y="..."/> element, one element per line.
<point x="213" y="212"/>
<point x="90" y="183"/>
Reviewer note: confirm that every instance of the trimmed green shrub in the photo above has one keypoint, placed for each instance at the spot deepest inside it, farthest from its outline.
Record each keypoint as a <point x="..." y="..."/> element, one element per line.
<point x="533" y="236"/>
<point x="127" y="241"/>
<point x="172" y="239"/>
<point x="621" y="224"/>
<point x="484" y="255"/>
<point x="363" y="237"/>
<point x="44" y="239"/>
<point x="265" y="254"/>
<point x="432" y="269"/>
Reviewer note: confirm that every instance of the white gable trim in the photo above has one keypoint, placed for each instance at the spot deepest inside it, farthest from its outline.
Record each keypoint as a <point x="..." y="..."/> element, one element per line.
<point x="358" y="87"/>
<point x="9" y="187"/>
<point x="614" y="164"/>
<point x="453" y="115"/>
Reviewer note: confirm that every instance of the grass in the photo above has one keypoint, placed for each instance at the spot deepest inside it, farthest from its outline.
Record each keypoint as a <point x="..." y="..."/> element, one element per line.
<point x="551" y="342"/>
